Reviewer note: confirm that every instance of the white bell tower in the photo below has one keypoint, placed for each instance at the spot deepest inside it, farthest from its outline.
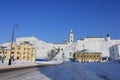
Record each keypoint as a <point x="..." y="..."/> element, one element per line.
<point x="71" y="36"/>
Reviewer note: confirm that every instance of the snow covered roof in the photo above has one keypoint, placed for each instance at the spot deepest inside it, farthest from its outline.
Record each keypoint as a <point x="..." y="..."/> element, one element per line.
<point x="88" y="51"/>
<point x="94" y="39"/>
<point x="26" y="39"/>
<point x="25" y="42"/>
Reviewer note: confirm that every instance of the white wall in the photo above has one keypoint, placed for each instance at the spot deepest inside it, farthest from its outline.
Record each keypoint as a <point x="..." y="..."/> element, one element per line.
<point x="115" y="52"/>
<point x="119" y="51"/>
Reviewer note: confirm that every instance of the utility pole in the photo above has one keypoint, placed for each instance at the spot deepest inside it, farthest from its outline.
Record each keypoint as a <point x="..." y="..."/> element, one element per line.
<point x="11" y="57"/>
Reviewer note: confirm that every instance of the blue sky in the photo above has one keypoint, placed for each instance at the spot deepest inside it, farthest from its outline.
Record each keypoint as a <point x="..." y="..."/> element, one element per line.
<point x="52" y="20"/>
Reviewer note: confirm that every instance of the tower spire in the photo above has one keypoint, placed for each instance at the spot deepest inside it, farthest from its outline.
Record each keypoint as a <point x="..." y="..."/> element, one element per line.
<point x="71" y="36"/>
<point x="71" y="31"/>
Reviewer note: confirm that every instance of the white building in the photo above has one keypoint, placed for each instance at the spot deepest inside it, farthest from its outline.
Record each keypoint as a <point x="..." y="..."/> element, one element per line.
<point x="115" y="52"/>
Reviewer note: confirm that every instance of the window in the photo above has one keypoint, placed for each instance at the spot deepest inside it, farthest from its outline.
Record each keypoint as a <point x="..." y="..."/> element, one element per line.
<point x="18" y="48"/>
<point x="24" y="53"/>
<point x="4" y="56"/>
<point x="13" y="48"/>
<point x="28" y="58"/>
<point x="23" y="57"/>
<point x="17" y="58"/>
<point x="12" y="57"/>
<point x="18" y="53"/>
<point x="28" y="54"/>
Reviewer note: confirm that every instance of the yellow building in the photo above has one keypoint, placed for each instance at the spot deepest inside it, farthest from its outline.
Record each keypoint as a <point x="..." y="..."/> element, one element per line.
<point x="88" y="56"/>
<point x="22" y="52"/>
<point x="4" y="53"/>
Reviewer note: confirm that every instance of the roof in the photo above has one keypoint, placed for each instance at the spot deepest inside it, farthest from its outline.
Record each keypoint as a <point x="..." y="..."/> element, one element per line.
<point x="88" y="51"/>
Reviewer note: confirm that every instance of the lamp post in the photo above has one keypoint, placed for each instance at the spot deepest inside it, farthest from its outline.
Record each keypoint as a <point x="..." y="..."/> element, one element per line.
<point x="83" y="54"/>
<point x="14" y="27"/>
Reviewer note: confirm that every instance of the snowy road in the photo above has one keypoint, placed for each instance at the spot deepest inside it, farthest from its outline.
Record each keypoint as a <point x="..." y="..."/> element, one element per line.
<point x="65" y="71"/>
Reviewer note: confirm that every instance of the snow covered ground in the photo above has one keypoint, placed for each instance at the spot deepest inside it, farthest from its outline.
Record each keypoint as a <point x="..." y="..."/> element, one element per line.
<point x="68" y="71"/>
<point x="19" y="64"/>
<point x="106" y="71"/>
<point x="16" y="62"/>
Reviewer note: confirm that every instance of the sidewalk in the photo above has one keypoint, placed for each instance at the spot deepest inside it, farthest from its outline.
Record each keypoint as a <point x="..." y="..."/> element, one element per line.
<point x="16" y="66"/>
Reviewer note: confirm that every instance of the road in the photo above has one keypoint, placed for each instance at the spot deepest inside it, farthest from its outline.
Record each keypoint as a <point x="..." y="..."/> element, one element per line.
<point x="67" y="71"/>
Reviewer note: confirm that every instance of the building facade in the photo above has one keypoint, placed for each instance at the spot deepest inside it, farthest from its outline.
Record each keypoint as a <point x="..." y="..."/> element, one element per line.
<point x="88" y="56"/>
<point x="22" y="52"/>
<point x="115" y="52"/>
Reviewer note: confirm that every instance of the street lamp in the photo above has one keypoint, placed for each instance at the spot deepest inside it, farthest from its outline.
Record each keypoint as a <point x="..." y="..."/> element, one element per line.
<point x="83" y="60"/>
<point x="14" y="27"/>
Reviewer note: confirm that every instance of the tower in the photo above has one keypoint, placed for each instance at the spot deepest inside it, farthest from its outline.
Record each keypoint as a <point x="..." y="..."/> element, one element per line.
<point x="108" y="37"/>
<point x="71" y="37"/>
